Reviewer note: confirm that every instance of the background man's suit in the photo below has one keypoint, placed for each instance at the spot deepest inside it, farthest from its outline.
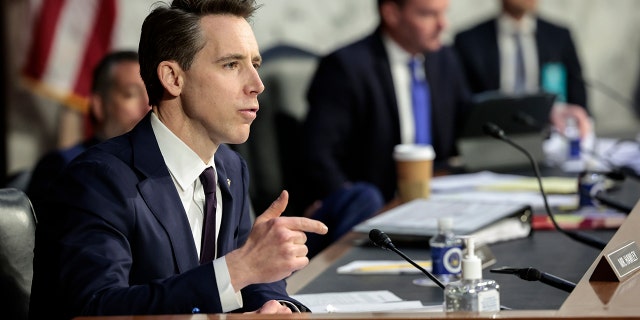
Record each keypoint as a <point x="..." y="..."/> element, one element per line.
<point x="50" y="167"/>
<point x="480" y="58"/>
<point x="128" y="247"/>
<point x="353" y="123"/>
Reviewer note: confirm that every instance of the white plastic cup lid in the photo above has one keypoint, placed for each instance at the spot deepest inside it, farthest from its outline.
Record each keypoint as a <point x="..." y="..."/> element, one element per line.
<point x="413" y="152"/>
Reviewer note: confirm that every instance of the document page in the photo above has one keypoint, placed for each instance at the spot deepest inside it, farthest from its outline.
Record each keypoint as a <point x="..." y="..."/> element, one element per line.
<point x="360" y="301"/>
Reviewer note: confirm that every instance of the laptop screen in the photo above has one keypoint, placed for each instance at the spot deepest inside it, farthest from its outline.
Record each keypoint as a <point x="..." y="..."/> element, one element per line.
<point x="515" y="114"/>
<point x="523" y="118"/>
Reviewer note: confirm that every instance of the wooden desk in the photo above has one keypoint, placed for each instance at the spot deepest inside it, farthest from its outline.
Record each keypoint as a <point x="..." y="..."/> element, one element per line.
<point x="590" y="300"/>
<point x="586" y="301"/>
<point x="609" y="298"/>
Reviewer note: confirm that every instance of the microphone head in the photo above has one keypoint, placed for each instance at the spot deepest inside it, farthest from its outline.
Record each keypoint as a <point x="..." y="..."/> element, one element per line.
<point x="525" y="119"/>
<point x="380" y="239"/>
<point x="493" y="130"/>
<point x="529" y="274"/>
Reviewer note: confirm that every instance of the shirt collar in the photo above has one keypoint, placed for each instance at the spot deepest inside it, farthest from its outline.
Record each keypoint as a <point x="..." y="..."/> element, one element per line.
<point x="183" y="163"/>
<point x="396" y="54"/>
<point x="509" y="26"/>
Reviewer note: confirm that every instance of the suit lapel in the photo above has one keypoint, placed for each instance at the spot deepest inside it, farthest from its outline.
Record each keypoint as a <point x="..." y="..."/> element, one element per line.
<point x="492" y="57"/>
<point x="544" y="47"/>
<point x="382" y="70"/>
<point x="225" y="237"/>
<point x="159" y="192"/>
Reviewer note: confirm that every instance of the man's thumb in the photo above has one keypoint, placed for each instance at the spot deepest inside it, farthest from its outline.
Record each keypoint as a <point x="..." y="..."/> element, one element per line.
<point x="277" y="207"/>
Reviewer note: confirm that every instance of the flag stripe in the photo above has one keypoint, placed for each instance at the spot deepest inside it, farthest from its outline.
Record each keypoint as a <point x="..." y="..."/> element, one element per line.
<point x="98" y="44"/>
<point x="69" y="45"/>
<point x="42" y="38"/>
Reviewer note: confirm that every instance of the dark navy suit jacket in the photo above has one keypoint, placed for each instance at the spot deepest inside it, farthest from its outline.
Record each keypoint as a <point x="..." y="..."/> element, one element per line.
<point x="353" y="123"/>
<point x="116" y="239"/>
<point x="480" y="57"/>
<point x="49" y="167"/>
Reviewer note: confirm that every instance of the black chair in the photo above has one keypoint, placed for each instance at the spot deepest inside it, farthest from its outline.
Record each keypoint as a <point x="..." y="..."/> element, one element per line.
<point x="274" y="146"/>
<point x="17" y="238"/>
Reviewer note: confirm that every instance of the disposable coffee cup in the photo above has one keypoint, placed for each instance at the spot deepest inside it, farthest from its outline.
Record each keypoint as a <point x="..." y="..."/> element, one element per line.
<point x="414" y="166"/>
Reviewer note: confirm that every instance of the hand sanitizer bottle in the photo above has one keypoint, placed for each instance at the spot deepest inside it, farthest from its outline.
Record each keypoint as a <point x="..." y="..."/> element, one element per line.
<point x="472" y="293"/>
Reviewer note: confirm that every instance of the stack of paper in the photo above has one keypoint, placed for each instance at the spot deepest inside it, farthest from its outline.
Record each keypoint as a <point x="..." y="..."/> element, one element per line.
<point x="382" y="267"/>
<point x="361" y="301"/>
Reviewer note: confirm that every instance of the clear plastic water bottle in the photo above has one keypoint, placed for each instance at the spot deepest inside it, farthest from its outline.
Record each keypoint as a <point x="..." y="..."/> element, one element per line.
<point x="590" y="181"/>
<point x="446" y="252"/>
<point x="572" y="133"/>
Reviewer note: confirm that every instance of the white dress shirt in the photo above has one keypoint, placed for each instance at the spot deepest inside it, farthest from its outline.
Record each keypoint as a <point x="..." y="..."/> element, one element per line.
<point x="526" y="28"/>
<point x="185" y="168"/>
<point x="401" y="76"/>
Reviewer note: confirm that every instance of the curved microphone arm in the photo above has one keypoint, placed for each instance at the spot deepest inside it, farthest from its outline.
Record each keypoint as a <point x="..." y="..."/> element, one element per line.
<point x="383" y="241"/>
<point x="493" y="130"/>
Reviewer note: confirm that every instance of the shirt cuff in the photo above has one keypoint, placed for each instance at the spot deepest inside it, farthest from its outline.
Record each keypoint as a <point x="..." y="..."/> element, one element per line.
<point x="229" y="299"/>
<point x="294" y="308"/>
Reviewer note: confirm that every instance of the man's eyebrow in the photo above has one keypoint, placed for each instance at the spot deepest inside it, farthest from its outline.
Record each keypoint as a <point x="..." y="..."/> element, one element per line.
<point x="237" y="56"/>
<point x="230" y="57"/>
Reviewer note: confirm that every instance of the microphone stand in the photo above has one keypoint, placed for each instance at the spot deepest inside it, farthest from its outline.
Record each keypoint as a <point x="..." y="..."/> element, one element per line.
<point x="532" y="274"/>
<point x="383" y="241"/>
<point x="495" y="131"/>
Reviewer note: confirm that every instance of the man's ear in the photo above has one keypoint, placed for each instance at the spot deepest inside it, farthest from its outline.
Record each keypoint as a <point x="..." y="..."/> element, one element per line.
<point x="96" y="107"/>
<point x="171" y="77"/>
<point x="390" y="13"/>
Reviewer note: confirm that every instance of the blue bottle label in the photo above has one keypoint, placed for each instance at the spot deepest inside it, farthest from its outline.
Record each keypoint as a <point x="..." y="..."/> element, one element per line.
<point x="574" y="149"/>
<point x="587" y="188"/>
<point x="446" y="260"/>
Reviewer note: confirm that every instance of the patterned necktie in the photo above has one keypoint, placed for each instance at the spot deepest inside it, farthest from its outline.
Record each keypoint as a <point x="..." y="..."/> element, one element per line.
<point x="208" y="247"/>
<point x="421" y="102"/>
<point x="519" y="85"/>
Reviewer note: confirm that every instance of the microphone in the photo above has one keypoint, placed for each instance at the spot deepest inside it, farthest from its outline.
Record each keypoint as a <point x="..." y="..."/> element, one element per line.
<point x="600" y="196"/>
<point x="526" y="120"/>
<point x="495" y="131"/>
<point x="383" y="241"/>
<point x="601" y="87"/>
<point x="531" y="274"/>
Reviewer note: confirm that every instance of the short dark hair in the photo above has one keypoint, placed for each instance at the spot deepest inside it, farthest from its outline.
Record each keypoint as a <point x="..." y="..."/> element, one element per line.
<point x="101" y="82"/>
<point x="399" y="2"/>
<point x="173" y="33"/>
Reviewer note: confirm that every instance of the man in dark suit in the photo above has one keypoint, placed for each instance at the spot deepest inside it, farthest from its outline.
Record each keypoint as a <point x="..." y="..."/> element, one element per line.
<point x="516" y="53"/>
<point x="157" y="221"/>
<point x="361" y="106"/>
<point x="118" y="101"/>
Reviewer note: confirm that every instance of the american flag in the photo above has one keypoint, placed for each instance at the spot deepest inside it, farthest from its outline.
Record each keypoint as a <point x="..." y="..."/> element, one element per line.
<point x="69" y="37"/>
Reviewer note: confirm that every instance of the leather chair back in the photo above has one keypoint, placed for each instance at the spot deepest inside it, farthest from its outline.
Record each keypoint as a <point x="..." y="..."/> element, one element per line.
<point x="17" y="238"/>
<point x="274" y="146"/>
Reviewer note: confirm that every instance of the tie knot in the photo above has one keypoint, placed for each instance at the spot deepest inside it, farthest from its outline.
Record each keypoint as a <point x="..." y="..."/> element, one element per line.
<point x="415" y="67"/>
<point x="208" y="180"/>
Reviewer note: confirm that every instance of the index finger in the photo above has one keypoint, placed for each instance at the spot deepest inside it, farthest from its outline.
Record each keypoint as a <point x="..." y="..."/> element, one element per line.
<point x="305" y="225"/>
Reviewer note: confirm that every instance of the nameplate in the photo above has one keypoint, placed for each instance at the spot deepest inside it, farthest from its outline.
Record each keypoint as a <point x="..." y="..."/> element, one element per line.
<point x="618" y="264"/>
<point x="625" y="260"/>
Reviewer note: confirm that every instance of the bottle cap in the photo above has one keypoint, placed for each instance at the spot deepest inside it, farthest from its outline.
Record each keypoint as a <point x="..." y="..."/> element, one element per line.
<point x="445" y="223"/>
<point x="471" y="264"/>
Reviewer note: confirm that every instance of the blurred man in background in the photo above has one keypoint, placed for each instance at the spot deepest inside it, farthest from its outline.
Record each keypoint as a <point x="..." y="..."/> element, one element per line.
<point x="396" y="85"/>
<point x="118" y="101"/>
<point x="518" y="52"/>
